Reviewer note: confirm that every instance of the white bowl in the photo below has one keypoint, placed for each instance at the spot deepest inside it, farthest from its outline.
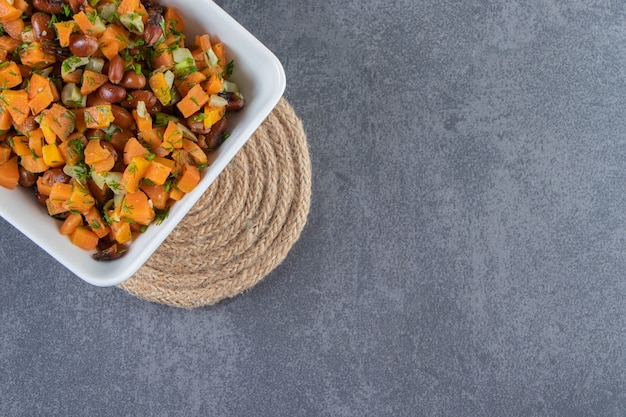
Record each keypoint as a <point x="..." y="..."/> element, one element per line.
<point x="260" y="78"/>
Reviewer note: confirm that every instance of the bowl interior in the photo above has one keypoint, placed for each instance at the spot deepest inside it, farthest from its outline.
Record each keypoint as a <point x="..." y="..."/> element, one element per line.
<point x="260" y="78"/>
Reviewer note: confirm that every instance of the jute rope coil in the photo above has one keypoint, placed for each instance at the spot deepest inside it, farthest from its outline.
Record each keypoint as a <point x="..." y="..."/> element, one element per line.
<point x="242" y="227"/>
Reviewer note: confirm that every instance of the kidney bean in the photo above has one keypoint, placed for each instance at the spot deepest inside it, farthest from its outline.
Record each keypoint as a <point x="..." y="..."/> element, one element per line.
<point x="95" y="134"/>
<point x="77" y="5"/>
<point x="27" y="178"/>
<point x="41" y="199"/>
<point x="55" y="175"/>
<point x="197" y="126"/>
<point x="153" y="105"/>
<point x="235" y="101"/>
<point x="25" y="71"/>
<point x="48" y="6"/>
<point x="42" y="29"/>
<point x="111" y="93"/>
<point x="108" y="146"/>
<point x="28" y="125"/>
<point x="123" y="118"/>
<point x="83" y="45"/>
<point x="119" y="139"/>
<point x="132" y="80"/>
<point x="109" y="251"/>
<point x="215" y="137"/>
<point x="153" y="30"/>
<point x="94" y="99"/>
<point x="116" y="69"/>
<point x="100" y="194"/>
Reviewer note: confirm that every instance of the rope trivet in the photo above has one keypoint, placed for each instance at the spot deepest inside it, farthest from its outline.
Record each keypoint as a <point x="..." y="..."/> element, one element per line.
<point x="242" y="227"/>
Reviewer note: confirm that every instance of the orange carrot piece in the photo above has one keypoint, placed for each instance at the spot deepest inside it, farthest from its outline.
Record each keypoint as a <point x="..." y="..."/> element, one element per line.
<point x="220" y="53"/>
<point x="80" y="199"/>
<point x="36" y="141"/>
<point x="95" y="222"/>
<point x="40" y="93"/>
<point x="9" y="174"/>
<point x="64" y="31"/>
<point x="5" y="154"/>
<point x="173" y="137"/>
<point x="19" y="144"/>
<point x="212" y="115"/>
<point x="193" y="101"/>
<point x="84" y="238"/>
<point x="52" y="156"/>
<point x="156" y="194"/>
<point x="16" y="103"/>
<point x="189" y="179"/>
<point x="8" y="44"/>
<point x="136" y="208"/>
<point x="143" y="123"/>
<point x="87" y="25"/>
<point x="195" y="152"/>
<point x="43" y="187"/>
<point x="134" y="149"/>
<point x="134" y="173"/>
<point x="10" y="75"/>
<point x="34" y="164"/>
<point x="173" y="20"/>
<point x="214" y="84"/>
<point x="92" y="81"/>
<point x="60" y="120"/>
<point x="98" y="117"/>
<point x="14" y="28"/>
<point x="120" y="231"/>
<point x="176" y="194"/>
<point x="8" y="12"/>
<point x="72" y="149"/>
<point x="5" y="119"/>
<point x="184" y="84"/>
<point x="157" y="173"/>
<point x="32" y="55"/>
<point x="71" y="223"/>
<point x="60" y="193"/>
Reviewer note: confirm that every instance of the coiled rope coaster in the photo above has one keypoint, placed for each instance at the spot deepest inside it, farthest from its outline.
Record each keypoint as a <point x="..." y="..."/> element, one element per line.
<point x="242" y="227"/>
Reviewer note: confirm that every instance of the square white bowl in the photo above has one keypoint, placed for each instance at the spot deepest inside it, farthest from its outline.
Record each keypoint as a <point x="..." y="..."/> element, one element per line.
<point x="260" y="78"/>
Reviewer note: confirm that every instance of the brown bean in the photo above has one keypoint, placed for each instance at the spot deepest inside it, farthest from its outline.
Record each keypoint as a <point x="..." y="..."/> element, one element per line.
<point x="108" y="146"/>
<point x="153" y="105"/>
<point x="216" y="136"/>
<point x="77" y="6"/>
<point x="28" y="125"/>
<point x="112" y="93"/>
<point x="48" y="6"/>
<point x="116" y="69"/>
<point x="110" y="251"/>
<point x="94" y="99"/>
<point x="83" y="45"/>
<point x="119" y="139"/>
<point x="41" y="198"/>
<point x="235" y="101"/>
<point x="42" y="29"/>
<point x="25" y="71"/>
<point x="153" y="30"/>
<point x="95" y="134"/>
<point x="27" y="178"/>
<point x="55" y="175"/>
<point x="100" y="194"/>
<point x="133" y="80"/>
<point x="197" y="126"/>
<point x="123" y="118"/>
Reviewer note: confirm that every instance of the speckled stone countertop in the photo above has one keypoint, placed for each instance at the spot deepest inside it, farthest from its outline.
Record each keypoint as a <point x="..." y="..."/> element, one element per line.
<point x="464" y="254"/>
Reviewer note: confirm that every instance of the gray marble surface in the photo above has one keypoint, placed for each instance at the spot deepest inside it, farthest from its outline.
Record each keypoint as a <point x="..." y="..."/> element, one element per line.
<point x="464" y="254"/>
